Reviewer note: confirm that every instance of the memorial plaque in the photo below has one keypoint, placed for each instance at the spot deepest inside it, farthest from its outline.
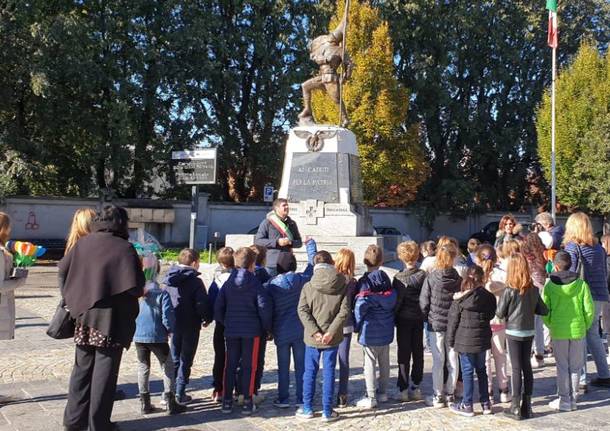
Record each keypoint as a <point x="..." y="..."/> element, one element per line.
<point x="355" y="180"/>
<point x="313" y="176"/>
<point x="195" y="166"/>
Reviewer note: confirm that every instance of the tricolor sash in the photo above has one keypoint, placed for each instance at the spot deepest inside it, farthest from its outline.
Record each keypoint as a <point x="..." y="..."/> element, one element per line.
<point x="280" y="226"/>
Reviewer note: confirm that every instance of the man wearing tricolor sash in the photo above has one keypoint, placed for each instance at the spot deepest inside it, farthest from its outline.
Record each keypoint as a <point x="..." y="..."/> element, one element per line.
<point x="278" y="233"/>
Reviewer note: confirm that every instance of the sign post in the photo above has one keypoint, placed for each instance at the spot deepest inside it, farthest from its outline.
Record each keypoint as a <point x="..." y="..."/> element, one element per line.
<point x="195" y="167"/>
<point x="268" y="193"/>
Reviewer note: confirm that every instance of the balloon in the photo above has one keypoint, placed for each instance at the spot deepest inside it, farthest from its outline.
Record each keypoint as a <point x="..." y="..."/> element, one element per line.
<point x="40" y="250"/>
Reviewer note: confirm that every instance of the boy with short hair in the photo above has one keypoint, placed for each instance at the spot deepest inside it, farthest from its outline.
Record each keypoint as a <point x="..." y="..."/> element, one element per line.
<point x="191" y="306"/>
<point x="409" y="322"/>
<point x="226" y="264"/>
<point x="571" y="312"/>
<point x="323" y="308"/>
<point x="374" y="321"/>
<point x="284" y="291"/>
<point x="241" y="308"/>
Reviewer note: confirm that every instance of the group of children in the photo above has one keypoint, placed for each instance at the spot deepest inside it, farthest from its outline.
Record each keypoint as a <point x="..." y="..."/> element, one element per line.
<point x="469" y="310"/>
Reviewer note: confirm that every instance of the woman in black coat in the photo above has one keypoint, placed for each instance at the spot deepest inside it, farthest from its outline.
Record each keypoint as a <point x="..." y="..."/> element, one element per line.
<point x="101" y="279"/>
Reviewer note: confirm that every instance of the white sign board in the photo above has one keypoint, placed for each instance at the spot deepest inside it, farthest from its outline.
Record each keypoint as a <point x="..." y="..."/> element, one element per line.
<point x="268" y="193"/>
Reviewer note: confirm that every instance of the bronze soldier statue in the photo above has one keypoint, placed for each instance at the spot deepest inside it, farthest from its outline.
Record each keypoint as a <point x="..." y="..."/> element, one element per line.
<point x="329" y="53"/>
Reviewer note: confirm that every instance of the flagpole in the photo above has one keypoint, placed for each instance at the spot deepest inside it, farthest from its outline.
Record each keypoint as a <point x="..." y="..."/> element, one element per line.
<point x="553" y="165"/>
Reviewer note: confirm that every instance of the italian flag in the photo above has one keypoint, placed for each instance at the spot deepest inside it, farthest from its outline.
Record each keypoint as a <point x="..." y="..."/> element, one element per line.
<point x="552" y="38"/>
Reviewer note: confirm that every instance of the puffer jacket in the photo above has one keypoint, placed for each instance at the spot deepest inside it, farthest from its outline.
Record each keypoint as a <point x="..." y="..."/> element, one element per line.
<point x="220" y="278"/>
<point x="374" y="310"/>
<point x="519" y="310"/>
<point x="408" y="285"/>
<point x="242" y="307"/>
<point x="469" y="330"/>
<point x="437" y="296"/>
<point x="284" y="292"/>
<point x="570" y="305"/>
<point x="594" y="259"/>
<point x="189" y="297"/>
<point x="156" y="319"/>
<point x="324" y="306"/>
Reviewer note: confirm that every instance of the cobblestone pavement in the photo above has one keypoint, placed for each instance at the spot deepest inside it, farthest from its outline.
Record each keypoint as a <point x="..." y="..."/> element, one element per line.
<point x="34" y="371"/>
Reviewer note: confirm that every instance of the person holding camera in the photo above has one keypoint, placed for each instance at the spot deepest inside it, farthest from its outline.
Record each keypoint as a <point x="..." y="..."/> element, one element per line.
<point x="544" y="223"/>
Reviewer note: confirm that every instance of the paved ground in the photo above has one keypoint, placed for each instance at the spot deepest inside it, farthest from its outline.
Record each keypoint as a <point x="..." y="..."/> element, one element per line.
<point x="34" y="370"/>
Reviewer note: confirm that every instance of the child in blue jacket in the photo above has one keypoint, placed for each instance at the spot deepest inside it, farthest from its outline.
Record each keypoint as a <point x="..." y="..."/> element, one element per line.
<point x="190" y="301"/>
<point x="155" y="322"/>
<point x="284" y="291"/>
<point x="241" y="308"/>
<point x="374" y="319"/>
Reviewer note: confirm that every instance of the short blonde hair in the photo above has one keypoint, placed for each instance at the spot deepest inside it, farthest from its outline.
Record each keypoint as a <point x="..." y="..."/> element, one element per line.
<point x="345" y="262"/>
<point x="408" y="251"/>
<point x="445" y="256"/>
<point x="5" y="227"/>
<point x="579" y="230"/>
<point x="81" y="226"/>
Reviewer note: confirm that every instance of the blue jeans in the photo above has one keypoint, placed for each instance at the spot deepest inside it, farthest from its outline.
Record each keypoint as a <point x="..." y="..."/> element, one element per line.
<point x="312" y="365"/>
<point x="595" y="347"/>
<point x="344" y="363"/>
<point x="283" y="369"/>
<point x="469" y="363"/>
<point x="184" y="346"/>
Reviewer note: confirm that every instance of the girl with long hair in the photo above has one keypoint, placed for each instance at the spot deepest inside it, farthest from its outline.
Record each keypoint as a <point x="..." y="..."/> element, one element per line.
<point x="494" y="278"/>
<point x="506" y="230"/>
<point x="589" y="259"/>
<point x="81" y="226"/>
<point x="519" y="304"/>
<point x="345" y="263"/>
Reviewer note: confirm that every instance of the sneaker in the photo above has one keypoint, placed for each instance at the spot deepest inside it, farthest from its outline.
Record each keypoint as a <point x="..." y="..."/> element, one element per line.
<point x="486" y="408"/>
<point x="382" y="398"/>
<point x="227" y="406"/>
<point x="436" y="401"/>
<point x="342" y="401"/>
<point x="538" y="361"/>
<point x="248" y="408"/>
<point x="332" y="417"/>
<point x="403" y="396"/>
<point x="461" y="409"/>
<point x="367" y="403"/>
<point x="304" y="414"/>
<point x="415" y="394"/>
<point x="505" y="396"/>
<point x="601" y="382"/>
<point x="281" y="404"/>
<point x="560" y="406"/>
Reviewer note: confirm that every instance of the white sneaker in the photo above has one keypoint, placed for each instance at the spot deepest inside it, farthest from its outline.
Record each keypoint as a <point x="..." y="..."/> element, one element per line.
<point x="415" y="394"/>
<point x="436" y="401"/>
<point x="382" y="398"/>
<point x="367" y="403"/>
<point x="557" y="405"/>
<point x="403" y="396"/>
<point x="505" y="397"/>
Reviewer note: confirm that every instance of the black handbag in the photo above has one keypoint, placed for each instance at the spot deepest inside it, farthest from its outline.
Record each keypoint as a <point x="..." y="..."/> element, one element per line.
<point x="62" y="324"/>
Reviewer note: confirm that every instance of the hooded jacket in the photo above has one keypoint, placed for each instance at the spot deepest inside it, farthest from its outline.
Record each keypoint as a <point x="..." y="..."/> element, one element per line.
<point x="267" y="236"/>
<point x="469" y="330"/>
<point x="374" y="309"/>
<point x="437" y="296"/>
<point x="189" y="297"/>
<point x="242" y="307"/>
<point x="220" y="278"/>
<point x="570" y="305"/>
<point x="408" y="285"/>
<point x="156" y="319"/>
<point x="284" y="292"/>
<point x="594" y="260"/>
<point x="324" y="306"/>
<point x="519" y="310"/>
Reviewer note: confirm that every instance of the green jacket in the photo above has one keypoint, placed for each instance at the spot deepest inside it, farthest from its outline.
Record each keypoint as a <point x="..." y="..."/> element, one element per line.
<point x="570" y="305"/>
<point x="324" y="306"/>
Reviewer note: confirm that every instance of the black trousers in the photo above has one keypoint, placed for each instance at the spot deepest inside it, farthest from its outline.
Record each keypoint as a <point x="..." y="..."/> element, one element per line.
<point x="92" y="387"/>
<point x="519" y="350"/>
<point x="242" y="351"/>
<point x="260" y="367"/>
<point x="409" y="337"/>
<point x="219" y="356"/>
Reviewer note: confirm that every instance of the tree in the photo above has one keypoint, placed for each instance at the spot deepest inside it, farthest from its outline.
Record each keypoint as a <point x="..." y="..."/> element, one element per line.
<point x="391" y="157"/>
<point x="477" y="71"/>
<point x="582" y="131"/>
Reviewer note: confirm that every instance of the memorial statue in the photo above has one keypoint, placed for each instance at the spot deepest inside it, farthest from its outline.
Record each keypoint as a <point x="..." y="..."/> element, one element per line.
<point x="329" y="53"/>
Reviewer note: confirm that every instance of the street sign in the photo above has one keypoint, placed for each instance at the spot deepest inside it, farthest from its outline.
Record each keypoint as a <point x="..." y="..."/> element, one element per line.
<point x="195" y="166"/>
<point x="268" y="193"/>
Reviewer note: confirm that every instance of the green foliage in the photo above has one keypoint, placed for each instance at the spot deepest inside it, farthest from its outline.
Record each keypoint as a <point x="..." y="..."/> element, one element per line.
<point x="171" y="255"/>
<point x="581" y="142"/>
<point x="391" y="156"/>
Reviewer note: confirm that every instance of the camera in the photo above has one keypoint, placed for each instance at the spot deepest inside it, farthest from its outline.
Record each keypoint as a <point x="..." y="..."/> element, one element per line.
<point x="536" y="227"/>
